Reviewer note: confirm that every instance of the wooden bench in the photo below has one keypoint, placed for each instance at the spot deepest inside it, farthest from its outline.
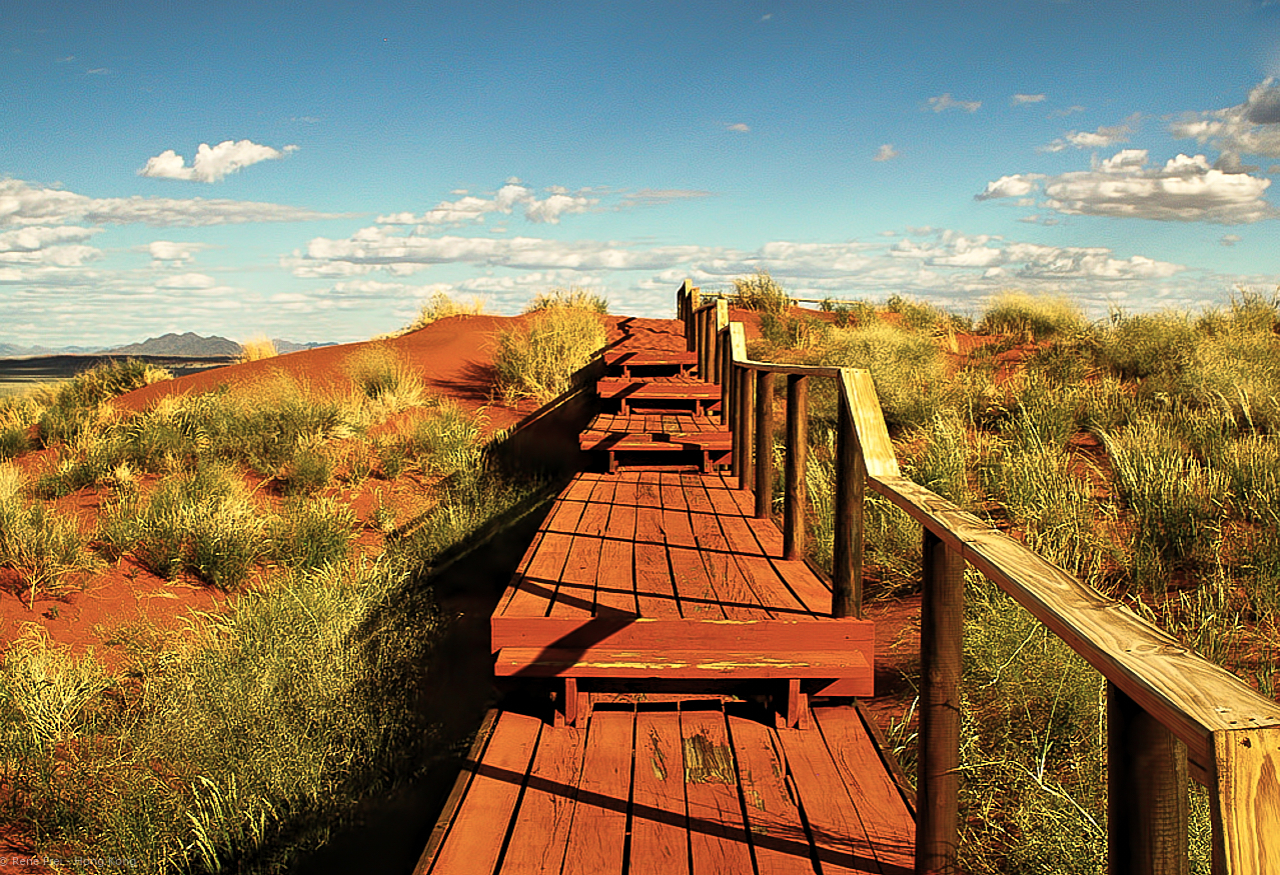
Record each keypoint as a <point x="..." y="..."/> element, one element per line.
<point x="651" y="358"/>
<point x="615" y="662"/>
<point x="629" y="391"/>
<point x="713" y="448"/>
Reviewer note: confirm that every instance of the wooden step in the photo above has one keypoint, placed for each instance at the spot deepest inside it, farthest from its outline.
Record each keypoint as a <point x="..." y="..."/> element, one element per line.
<point x="650" y="358"/>
<point x="631" y="391"/>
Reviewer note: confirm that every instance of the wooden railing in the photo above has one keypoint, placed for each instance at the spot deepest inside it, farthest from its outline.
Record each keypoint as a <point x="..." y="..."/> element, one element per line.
<point x="1170" y="713"/>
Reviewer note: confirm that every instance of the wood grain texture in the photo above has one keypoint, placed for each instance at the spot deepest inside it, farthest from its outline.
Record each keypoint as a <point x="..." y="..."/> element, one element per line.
<point x="659" y="820"/>
<point x="718" y="835"/>
<point x="542" y="824"/>
<point x="598" y="836"/>
<point x="1246" y="806"/>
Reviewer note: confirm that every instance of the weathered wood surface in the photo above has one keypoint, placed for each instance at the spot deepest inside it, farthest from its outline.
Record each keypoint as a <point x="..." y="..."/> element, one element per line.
<point x="686" y="788"/>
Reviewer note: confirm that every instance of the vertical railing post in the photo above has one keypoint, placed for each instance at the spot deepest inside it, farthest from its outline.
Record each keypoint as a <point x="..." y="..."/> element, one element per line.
<point x="719" y="323"/>
<point x="764" y="445"/>
<point x="723" y="363"/>
<point x="1146" y="792"/>
<point x="797" y="452"/>
<point x="941" y="652"/>
<point x="851" y="490"/>
<point x="744" y="440"/>
<point x="691" y="320"/>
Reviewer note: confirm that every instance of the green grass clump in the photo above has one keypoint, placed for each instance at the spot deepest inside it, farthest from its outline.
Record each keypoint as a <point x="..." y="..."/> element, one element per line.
<point x="204" y="522"/>
<point x="1149" y="345"/>
<point x="539" y="359"/>
<point x="42" y="545"/>
<point x="447" y="439"/>
<point x="761" y="292"/>
<point x="72" y="406"/>
<point x="382" y="375"/>
<point x="908" y="369"/>
<point x="1041" y="317"/>
<point x="572" y="298"/>
<point x="441" y="306"/>
<point x="311" y="534"/>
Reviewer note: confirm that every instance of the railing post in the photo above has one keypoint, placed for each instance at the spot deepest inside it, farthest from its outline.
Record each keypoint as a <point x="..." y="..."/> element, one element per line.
<point x="941" y="653"/>
<point x="851" y="491"/>
<point x="797" y="451"/>
<point x="744" y="438"/>
<point x="719" y="323"/>
<point x="1146" y="792"/>
<point x="764" y="444"/>
<point x="724" y="358"/>
<point x="691" y="320"/>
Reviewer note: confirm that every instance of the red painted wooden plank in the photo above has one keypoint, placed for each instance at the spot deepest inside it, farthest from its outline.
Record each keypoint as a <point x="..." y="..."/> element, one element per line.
<point x="460" y="785"/>
<point x="717" y="831"/>
<point x="731" y="587"/>
<point x="474" y="842"/>
<point x="521" y="570"/>
<point x="649" y="528"/>
<point x="655" y="589"/>
<point x="672" y="491"/>
<point x="888" y="823"/>
<point x="739" y="536"/>
<point x="808" y="588"/>
<point x="576" y="593"/>
<point x="536" y="588"/>
<point x="695" y="493"/>
<point x="693" y="587"/>
<point x="839" y="638"/>
<point x="546" y="812"/>
<point x="597" y="838"/>
<point x="604" y="490"/>
<point x="659" y="833"/>
<point x="622" y="522"/>
<point x="579" y="488"/>
<point x="843" y="845"/>
<point x="624" y="491"/>
<point x="782" y="845"/>
<point x="595" y="518"/>
<point x="615" y="580"/>
<point x="647" y="494"/>
<point x="767" y="534"/>
<point x="676" y="528"/>
<point x="564" y="516"/>
<point x="661" y="660"/>
<point x="772" y="591"/>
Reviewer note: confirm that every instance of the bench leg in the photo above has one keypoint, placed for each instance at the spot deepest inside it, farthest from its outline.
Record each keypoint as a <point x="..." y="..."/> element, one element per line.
<point x="797" y="707"/>
<point x="573" y="704"/>
<point x="613" y="462"/>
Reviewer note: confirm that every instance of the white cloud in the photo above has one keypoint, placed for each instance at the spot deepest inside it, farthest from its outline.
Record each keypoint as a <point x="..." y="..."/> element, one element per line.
<point x="1103" y="137"/>
<point x="885" y="153"/>
<point x="471" y="209"/>
<point x="212" y="163"/>
<point x="1251" y="128"/>
<point x="945" y="102"/>
<point x="1185" y="189"/>
<point x="1230" y="239"/>
<point x="163" y="251"/>
<point x="35" y="238"/>
<point x="187" y="281"/>
<point x="22" y="204"/>
<point x="1023" y="99"/>
<point x="737" y="128"/>
<point x="658" y="196"/>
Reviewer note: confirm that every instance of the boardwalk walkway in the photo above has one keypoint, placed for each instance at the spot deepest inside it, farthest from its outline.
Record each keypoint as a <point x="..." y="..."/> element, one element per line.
<point x="683" y="653"/>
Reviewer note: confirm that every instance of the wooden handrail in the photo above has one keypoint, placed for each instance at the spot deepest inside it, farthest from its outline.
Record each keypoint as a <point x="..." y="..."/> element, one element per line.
<point x="1187" y="715"/>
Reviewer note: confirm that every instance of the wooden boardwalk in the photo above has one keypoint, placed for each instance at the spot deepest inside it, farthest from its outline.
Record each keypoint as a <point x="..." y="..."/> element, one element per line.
<point x="693" y="787"/>
<point x="703" y="718"/>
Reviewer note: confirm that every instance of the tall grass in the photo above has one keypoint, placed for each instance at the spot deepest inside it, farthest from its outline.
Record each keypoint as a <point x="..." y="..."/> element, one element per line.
<point x="43" y="546"/>
<point x="538" y="359"/>
<point x="573" y="298"/>
<point x="258" y="348"/>
<point x="441" y="306"/>
<point x="908" y="369"/>
<point x="1041" y="317"/>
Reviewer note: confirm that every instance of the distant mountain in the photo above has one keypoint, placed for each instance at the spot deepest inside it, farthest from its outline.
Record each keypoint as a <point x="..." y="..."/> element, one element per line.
<point x="283" y="346"/>
<point x="189" y="345"/>
<point x="12" y="350"/>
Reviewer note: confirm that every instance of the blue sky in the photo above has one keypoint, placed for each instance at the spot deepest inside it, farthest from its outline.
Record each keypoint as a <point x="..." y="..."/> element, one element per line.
<point x="315" y="172"/>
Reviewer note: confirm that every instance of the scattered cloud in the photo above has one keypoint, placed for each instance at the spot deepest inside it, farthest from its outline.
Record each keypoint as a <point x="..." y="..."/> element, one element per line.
<point x="1066" y="111"/>
<point x="738" y="128"/>
<point x="1103" y="137"/>
<point x="23" y="204"/>
<point x="945" y="102"/>
<point x="1230" y="239"/>
<point x="471" y="209"/>
<point x="1023" y="99"/>
<point x="646" y="197"/>
<point x="187" y="281"/>
<point x="1185" y="189"/>
<point x="885" y="153"/>
<point x="168" y="253"/>
<point x="212" y="163"/>
<point x="1252" y="127"/>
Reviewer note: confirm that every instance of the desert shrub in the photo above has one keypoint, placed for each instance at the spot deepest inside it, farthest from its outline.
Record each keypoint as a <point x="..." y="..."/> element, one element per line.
<point x="942" y="464"/>
<point x="793" y="332"/>
<point x="572" y="298"/>
<point x="309" y="471"/>
<point x="538" y="359"/>
<point x="310" y="534"/>
<point x="1251" y="465"/>
<point x="258" y="348"/>
<point x="13" y="442"/>
<point x="447" y="439"/>
<point x="908" y="369"/>
<point x="204" y="522"/>
<point x="1173" y="499"/>
<point x="1015" y="312"/>
<point x="1238" y="371"/>
<point x="760" y="291"/>
<point x="74" y="405"/>
<point x="441" y="306"/>
<point x="381" y="374"/>
<point x="917" y="315"/>
<point x="1146" y="345"/>
<point x="42" y="545"/>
